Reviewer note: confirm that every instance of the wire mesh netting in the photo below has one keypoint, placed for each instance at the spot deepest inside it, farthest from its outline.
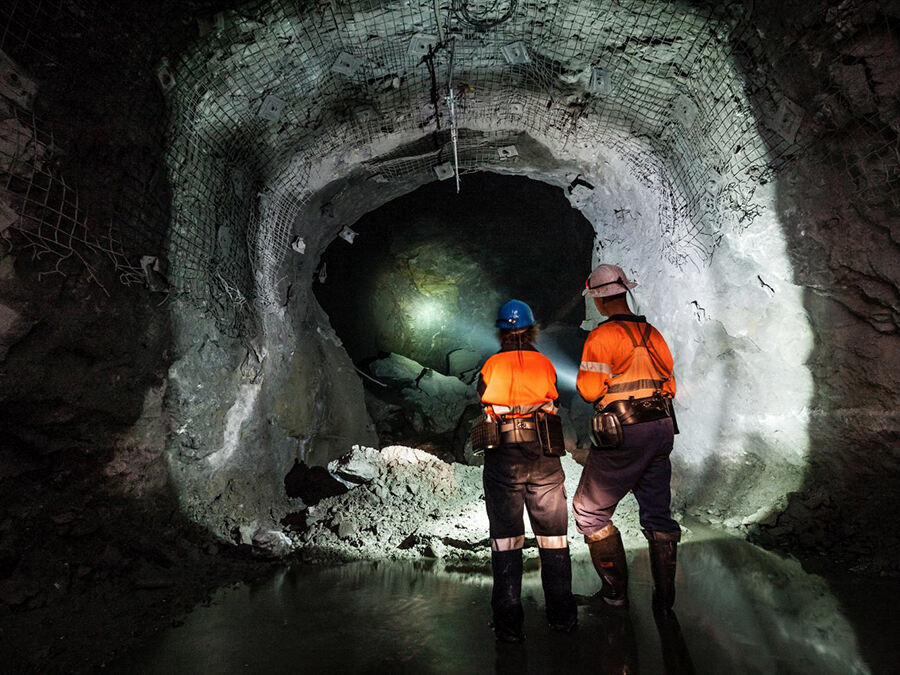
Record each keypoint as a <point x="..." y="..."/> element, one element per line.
<point x="40" y="210"/>
<point x="275" y="95"/>
<point x="44" y="211"/>
<point x="656" y="82"/>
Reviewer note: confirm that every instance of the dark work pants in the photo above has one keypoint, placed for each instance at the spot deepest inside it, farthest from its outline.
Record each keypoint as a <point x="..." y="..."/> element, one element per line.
<point x="642" y="465"/>
<point x="515" y="480"/>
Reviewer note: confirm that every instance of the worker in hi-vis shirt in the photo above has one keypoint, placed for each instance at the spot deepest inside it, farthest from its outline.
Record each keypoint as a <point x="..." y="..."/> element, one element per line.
<point x="626" y="373"/>
<point x="517" y="386"/>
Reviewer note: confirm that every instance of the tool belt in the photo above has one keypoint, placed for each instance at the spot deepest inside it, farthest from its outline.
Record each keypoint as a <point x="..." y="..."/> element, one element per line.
<point x="484" y="435"/>
<point x="540" y="427"/>
<point x="607" y="423"/>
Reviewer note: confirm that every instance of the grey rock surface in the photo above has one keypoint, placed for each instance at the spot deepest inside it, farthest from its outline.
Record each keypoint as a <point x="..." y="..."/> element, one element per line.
<point x="438" y="399"/>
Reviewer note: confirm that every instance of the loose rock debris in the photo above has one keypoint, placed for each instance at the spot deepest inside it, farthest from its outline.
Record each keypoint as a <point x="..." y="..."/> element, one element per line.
<point x="405" y="503"/>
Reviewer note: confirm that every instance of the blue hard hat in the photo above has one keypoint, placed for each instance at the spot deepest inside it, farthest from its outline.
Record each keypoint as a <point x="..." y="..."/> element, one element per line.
<point x="514" y="314"/>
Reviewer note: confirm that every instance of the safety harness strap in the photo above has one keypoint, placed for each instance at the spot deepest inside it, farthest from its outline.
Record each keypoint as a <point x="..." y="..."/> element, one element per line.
<point x="655" y="361"/>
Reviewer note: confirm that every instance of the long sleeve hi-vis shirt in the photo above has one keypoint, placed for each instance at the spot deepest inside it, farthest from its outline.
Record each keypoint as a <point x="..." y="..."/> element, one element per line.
<point x="516" y="382"/>
<point x="625" y="357"/>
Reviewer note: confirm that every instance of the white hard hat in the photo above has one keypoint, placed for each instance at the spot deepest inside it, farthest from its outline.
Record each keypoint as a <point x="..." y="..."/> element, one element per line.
<point x="607" y="280"/>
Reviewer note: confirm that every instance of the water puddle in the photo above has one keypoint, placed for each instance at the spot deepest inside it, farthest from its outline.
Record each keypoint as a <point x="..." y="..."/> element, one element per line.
<point x="739" y="610"/>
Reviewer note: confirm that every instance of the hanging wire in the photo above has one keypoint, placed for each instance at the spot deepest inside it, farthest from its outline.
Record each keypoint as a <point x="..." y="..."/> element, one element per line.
<point x="451" y="102"/>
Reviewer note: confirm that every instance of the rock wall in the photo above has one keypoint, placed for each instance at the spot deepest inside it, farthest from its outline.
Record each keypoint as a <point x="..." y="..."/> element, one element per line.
<point x="840" y="213"/>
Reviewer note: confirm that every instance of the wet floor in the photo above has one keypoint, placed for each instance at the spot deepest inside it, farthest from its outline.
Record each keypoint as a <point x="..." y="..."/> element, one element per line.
<point x="739" y="610"/>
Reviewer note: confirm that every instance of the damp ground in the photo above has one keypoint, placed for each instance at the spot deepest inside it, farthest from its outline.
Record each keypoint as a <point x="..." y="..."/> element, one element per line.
<point x="740" y="609"/>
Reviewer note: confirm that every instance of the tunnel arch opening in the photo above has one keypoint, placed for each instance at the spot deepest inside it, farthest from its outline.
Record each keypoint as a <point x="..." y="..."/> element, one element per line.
<point x="416" y="293"/>
<point x="425" y="265"/>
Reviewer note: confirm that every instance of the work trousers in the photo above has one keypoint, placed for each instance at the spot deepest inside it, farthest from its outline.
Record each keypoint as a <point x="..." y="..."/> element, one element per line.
<point x="518" y="477"/>
<point x="641" y="464"/>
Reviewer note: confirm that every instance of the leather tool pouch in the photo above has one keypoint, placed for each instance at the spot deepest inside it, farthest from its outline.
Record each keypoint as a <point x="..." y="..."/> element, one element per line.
<point x="485" y="435"/>
<point x="606" y="430"/>
<point x="550" y="433"/>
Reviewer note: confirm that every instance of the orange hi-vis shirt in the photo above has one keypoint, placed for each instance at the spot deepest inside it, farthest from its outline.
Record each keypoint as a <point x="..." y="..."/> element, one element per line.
<point x="516" y="382"/>
<point x="625" y="357"/>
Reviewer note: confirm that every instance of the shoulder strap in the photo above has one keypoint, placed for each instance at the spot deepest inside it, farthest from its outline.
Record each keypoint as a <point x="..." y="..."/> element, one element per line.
<point x="634" y="342"/>
<point x="654" y="357"/>
<point x="655" y="361"/>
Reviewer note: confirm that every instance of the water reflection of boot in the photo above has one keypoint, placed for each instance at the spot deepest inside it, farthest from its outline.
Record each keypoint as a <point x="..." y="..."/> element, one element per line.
<point x="618" y="648"/>
<point x="662" y="564"/>
<point x="556" y="578"/>
<point x="676" y="658"/>
<point x="511" y="659"/>
<point x="506" y="600"/>
<point x="608" y="556"/>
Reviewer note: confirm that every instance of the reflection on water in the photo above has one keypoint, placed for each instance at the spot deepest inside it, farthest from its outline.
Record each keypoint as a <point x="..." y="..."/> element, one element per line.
<point x="739" y="610"/>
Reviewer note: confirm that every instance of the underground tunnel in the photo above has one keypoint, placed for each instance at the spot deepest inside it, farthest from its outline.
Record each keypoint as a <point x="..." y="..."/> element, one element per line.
<point x="251" y="255"/>
<point x="414" y="297"/>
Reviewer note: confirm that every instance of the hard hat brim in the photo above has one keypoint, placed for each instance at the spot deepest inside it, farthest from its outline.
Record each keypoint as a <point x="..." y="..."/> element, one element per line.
<point x="612" y="289"/>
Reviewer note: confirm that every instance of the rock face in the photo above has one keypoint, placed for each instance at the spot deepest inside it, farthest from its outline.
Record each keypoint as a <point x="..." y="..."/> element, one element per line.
<point x="437" y="400"/>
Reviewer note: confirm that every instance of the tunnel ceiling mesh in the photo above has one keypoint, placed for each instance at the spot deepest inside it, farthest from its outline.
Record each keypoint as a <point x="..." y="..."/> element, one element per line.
<point x="267" y="100"/>
<point x="275" y="90"/>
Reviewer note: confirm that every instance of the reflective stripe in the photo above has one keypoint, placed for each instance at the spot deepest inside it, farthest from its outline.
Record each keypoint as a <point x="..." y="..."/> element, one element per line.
<point x="508" y="543"/>
<point x="634" y="385"/>
<point x="595" y="367"/>
<point x="557" y="541"/>
<point x="601" y="534"/>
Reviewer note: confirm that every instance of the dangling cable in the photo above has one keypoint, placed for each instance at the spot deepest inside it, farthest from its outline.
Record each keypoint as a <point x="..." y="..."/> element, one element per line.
<point x="451" y="102"/>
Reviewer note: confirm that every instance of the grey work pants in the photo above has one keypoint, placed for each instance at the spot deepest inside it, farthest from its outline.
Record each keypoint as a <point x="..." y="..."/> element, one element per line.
<point x="641" y="464"/>
<point x="519" y="477"/>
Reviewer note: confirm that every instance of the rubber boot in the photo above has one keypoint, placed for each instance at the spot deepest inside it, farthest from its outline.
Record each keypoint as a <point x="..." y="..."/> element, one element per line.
<point x="662" y="564"/>
<point x="506" y="601"/>
<point x="556" y="578"/>
<point x="608" y="556"/>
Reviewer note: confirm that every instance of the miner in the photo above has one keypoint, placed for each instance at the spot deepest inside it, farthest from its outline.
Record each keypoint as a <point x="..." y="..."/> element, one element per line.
<point x="626" y="373"/>
<point x="522" y="469"/>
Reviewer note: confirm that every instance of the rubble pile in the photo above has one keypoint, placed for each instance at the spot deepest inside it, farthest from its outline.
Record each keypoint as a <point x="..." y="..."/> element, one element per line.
<point x="405" y="503"/>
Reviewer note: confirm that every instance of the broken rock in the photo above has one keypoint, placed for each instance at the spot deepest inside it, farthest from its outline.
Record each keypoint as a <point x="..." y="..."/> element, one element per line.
<point x="360" y="466"/>
<point x="271" y="543"/>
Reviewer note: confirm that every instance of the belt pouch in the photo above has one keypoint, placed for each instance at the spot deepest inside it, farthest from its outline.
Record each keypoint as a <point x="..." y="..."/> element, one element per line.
<point x="485" y="435"/>
<point x="550" y="431"/>
<point x="670" y="404"/>
<point x="606" y="431"/>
